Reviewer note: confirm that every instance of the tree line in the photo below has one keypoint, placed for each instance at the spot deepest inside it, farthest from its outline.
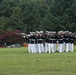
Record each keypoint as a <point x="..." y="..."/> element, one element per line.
<point x="35" y="15"/>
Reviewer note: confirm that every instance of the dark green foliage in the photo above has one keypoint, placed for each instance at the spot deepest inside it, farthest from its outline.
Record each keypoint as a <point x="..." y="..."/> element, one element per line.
<point x="32" y="15"/>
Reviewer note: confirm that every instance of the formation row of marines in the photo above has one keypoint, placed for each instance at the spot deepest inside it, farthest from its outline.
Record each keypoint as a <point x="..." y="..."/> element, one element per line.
<point x="39" y="42"/>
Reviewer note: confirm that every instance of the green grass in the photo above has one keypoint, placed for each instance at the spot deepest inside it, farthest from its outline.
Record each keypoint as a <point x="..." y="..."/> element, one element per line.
<point x="17" y="61"/>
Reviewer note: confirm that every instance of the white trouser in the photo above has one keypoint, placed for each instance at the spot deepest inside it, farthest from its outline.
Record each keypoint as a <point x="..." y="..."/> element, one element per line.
<point x="67" y="47"/>
<point x="36" y="48"/>
<point x="60" y="48"/>
<point x="71" y="47"/>
<point x="49" y="47"/>
<point x="46" y="47"/>
<point x="29" y="47"/>
<point x="53" y="46"/>
<point x="40" y="48"/>
<point x="63" y="46"/>
<point x="33" y="48"/>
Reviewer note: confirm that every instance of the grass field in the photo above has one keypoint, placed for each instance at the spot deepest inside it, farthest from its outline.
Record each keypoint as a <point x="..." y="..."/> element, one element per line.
<point x="17" y="61"/>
